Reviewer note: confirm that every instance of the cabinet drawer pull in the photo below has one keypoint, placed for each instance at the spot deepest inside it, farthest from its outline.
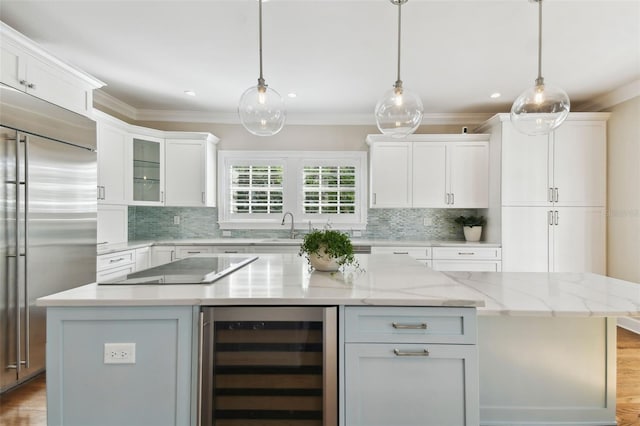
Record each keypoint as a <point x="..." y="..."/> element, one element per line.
<point x="231" y="251"/>
<point x="120" y="259"/>
<point x="423" y="352"/>
<point x="400" y="252"/>
<point x="398" y="326"/>
<point x="194" y="252"/>
<point x="466" y="253"/>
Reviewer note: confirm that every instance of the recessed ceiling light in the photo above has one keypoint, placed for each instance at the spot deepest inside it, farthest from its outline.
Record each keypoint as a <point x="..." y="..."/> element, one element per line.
<point x="495" y="95"/>
<point x="292" y="95"/>
<point x="189" y="92"/>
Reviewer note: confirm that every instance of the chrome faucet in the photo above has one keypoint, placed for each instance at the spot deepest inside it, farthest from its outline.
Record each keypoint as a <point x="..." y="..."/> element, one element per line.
<point x="292" y="232"/>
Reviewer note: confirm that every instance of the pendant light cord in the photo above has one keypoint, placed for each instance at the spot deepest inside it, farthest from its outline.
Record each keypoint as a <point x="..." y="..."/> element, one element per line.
<point x="399" y="2"/>
<point x="539" y="80"/>
<point x="261" y="79"/>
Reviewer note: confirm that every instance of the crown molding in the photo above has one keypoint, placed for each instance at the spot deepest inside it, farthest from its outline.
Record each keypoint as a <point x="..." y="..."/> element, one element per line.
<point x="615" y="97"/>
<point x="100" y="98"/>
<point x="318" y="119"/>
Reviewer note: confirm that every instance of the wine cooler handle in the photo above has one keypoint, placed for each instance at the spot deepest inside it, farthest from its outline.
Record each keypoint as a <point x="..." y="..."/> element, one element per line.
<point x="200" y="366"/>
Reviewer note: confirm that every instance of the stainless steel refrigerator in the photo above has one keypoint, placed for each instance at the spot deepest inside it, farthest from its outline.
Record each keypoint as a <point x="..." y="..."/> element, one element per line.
<point x="48" y="207"/>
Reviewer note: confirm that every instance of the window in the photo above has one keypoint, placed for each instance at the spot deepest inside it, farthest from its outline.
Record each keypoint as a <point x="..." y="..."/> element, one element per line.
<point x="257" y="188"/>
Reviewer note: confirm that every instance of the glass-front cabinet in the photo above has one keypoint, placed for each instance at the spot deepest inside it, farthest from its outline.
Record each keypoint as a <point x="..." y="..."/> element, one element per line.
<point x="148" y="170"/>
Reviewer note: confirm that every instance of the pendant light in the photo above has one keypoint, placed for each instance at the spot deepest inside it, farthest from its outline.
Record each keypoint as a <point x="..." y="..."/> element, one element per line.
<point x="399" y="112"/>
<point x="261" y="109"/>
<point x="541" y="108"/>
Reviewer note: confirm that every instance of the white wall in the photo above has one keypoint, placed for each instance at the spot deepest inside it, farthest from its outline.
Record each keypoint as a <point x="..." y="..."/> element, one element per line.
<point x="623" y="239"/>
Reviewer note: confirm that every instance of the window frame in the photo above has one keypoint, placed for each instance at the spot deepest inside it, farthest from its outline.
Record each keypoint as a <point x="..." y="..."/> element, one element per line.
<point x="293" y="163"/>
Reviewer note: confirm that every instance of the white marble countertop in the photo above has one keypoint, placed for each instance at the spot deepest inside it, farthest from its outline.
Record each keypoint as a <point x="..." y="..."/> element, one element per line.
<point x="112" y="248"/>
<point x="389" y="280"/>
<point x="551" y="293"/>
<point x="285" y="279"/>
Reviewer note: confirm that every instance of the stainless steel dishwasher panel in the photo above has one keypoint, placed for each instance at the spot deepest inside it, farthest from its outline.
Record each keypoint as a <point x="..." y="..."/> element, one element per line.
<point x="269" y="364"/>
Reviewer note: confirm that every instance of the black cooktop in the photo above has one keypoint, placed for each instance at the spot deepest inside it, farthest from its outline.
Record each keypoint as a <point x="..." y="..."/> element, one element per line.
<point x="192" y="270"/>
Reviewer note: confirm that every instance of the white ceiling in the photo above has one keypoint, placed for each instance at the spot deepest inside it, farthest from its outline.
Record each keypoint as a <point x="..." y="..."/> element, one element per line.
<point x="339" y="57"/>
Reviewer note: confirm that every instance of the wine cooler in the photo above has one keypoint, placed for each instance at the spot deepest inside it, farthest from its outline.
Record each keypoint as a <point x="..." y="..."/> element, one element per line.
<point x="264" y="366"/>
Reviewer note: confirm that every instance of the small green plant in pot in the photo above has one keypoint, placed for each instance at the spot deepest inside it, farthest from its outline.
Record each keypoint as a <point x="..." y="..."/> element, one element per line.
<point x="471" y="226"/>
<point x="327" y="250"/>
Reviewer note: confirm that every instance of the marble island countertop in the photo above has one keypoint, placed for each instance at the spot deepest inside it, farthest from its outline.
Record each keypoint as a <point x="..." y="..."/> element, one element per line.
<point x="388" y="280"/>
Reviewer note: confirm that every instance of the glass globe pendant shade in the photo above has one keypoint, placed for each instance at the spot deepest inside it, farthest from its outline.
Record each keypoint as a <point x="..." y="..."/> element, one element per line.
<point x="540" y="109"/>
<point x="262" y="111"/>
<point x="399" y="112"/>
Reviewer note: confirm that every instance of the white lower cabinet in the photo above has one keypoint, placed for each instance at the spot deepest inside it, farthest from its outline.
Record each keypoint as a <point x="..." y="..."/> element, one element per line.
<point x="162" y="254"/>
<point x="467" y="258"/>
<point x="556" y="239"/>
<point x="143" y="258"/>
<point x="188" y="251"/>
<point x="410" y="366"/>
<point x="230" y="249"/>
<point x="114" y="265"/>
<point x="421" y="254"/>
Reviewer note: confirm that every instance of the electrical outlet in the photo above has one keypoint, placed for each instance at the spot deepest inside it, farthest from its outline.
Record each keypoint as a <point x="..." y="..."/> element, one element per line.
<point x="176" y="220"/>
<point x="427" y="221"/>
<point x="119" y="353"/>
<point x="226" y="233"/>
<point x="357" y="233"/>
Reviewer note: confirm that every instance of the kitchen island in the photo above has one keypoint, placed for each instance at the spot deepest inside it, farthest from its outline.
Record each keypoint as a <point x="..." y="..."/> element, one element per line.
<point x="546" y="342"/>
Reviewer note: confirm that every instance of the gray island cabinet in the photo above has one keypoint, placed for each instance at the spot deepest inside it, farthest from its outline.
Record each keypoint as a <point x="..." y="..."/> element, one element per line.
<point x="414" y="346"/>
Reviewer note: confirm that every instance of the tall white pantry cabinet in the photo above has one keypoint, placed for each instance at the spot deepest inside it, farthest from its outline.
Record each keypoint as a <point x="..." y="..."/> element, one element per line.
<point x="548" y="195"/>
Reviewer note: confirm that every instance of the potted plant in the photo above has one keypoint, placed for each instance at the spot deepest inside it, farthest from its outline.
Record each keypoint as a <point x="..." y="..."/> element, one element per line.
<point x="328" y="250"/>
<point x="471" y="226"/>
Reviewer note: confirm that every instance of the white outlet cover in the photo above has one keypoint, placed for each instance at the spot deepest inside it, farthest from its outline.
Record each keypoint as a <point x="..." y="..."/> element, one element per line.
<point x="119" y="353"/>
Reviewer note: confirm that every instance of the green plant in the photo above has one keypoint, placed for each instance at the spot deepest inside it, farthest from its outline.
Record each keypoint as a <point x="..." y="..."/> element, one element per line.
<point x="470" y="220"/>
<point x="333" y="243"/>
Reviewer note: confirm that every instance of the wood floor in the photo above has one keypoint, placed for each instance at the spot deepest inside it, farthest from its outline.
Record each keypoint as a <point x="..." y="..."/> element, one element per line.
<point x="26" y="406"/>
<point x="628" y="378"/>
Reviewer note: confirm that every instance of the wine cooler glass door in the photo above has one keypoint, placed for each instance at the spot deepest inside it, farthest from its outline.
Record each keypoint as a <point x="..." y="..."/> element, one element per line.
<point x="275" y="365"/>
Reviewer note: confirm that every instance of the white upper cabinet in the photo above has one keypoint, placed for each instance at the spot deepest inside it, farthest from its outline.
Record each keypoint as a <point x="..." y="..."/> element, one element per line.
<point x="429" y="171"/>
<point x="27" y="67"/>
<point x="149" y="167"/>
<point x="429" y="174"/>
<point x="580" y="163"/>
<point x="112" y="160"/>
<point x="193" y="186"/>
<point x="147" y="170"/>
<point x="390" y="175"/>
<point x="565" y="168"/>
<point x="468" y="175"/>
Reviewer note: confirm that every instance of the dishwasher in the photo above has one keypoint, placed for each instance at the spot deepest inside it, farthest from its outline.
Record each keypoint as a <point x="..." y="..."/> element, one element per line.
<point x="268" y="366"/>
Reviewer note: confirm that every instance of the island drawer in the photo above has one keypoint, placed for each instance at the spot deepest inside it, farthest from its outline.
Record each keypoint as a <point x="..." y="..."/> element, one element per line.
<point x="372" y="324"/>
<point x="489" y="253"/>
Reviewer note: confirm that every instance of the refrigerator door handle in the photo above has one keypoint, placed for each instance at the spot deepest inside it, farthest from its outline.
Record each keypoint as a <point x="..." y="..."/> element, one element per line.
<point x="16" y="254"/>
<point x="27" y="337"/>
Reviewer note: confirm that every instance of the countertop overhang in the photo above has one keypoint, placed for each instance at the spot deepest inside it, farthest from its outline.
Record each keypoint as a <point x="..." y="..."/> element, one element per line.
<point x="388" y="280"/>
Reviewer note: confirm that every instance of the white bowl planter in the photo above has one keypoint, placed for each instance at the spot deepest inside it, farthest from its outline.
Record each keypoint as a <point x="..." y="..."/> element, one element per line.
<point x="472" y="233"/>
<point x="323" y="262"/>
